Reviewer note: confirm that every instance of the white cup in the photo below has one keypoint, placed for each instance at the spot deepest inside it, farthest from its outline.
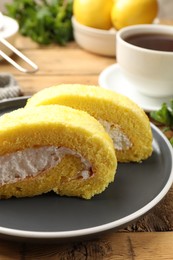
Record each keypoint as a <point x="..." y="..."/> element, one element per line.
<point x="149" y="71"/>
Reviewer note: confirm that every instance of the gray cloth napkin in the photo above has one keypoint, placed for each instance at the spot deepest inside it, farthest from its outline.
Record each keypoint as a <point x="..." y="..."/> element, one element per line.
<point x="9" y="87"/>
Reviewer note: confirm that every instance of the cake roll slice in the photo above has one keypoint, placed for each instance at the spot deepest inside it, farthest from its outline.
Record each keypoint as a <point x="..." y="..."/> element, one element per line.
<point x="124" y="120"/>
<point x="54" y="148"/>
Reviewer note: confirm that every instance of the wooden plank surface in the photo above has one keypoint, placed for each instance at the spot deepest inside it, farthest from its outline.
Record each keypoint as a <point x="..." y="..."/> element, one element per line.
<point x="57" y="65"/>
<point x="113" y="246"/>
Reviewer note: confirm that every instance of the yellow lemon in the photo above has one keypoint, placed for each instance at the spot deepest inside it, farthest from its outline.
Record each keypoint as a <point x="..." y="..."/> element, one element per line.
<point x="130" y="12"/>
<point x="93" y="13"/>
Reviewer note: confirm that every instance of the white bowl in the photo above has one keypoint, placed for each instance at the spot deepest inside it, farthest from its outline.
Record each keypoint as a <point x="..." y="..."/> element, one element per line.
<point x="94" y="40"/>
<point x="9" y="32"/>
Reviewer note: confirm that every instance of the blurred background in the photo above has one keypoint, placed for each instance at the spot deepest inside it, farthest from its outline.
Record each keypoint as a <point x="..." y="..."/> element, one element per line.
<point x="165" y="11"/>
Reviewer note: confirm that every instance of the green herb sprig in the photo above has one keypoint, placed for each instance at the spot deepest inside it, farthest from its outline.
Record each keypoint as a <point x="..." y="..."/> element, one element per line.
<point x="44" y="21"/>
<point x="164" y="116"/>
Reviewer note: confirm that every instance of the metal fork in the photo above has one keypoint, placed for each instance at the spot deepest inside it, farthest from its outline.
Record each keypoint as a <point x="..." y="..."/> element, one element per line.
<point x="17" y="52"/>
<point x="21" y="55"/>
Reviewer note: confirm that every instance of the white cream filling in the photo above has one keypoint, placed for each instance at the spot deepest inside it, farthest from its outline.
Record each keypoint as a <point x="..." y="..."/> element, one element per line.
<point x="32" y="161"/>
<point x="120" y="140"/>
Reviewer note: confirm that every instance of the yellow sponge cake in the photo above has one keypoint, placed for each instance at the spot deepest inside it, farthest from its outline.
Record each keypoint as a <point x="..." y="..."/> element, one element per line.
<point x="125" y="121"/>
<point x="54" y="148"/>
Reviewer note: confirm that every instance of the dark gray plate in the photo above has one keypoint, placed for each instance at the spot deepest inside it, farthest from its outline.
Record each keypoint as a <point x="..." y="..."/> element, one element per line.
<point x="138" y="187"/>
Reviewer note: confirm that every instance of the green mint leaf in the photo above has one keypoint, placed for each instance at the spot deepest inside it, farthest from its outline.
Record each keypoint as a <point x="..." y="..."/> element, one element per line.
<point x="163" y="115"/>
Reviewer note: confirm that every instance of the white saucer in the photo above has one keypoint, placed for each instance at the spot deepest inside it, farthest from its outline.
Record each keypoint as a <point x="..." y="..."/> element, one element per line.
<point x="112" y="78"/>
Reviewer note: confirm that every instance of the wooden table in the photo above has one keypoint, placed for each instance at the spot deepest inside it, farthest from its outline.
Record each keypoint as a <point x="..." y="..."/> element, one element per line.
<point x="151" y="237"/>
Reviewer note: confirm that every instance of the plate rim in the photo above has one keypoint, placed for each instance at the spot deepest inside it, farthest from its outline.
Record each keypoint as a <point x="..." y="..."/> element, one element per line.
<point x="10" y="232"/>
